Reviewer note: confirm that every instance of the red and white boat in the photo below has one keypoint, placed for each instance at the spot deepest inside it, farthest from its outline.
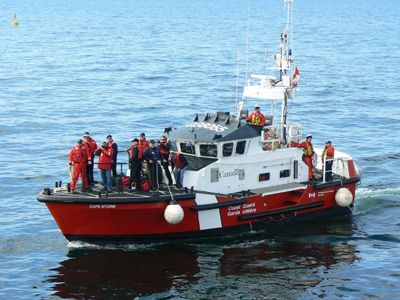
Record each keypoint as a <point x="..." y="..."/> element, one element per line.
<point x="240" y="177"/>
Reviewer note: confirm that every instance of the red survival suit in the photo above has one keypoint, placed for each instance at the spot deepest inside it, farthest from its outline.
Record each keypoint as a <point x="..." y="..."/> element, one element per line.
<point x="78" y="157"/>
<point x="256" y="118"/>
<point x="308" y="152"/>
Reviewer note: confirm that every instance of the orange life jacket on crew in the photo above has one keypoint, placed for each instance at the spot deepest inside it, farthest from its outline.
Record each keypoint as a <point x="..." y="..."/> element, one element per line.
<point x="178" y="162"/>
<point x="308" y="148"/>
<point x="142" y="145"/>
<point x="140" y="152"/>
<point x="330" y="152"/>
<point x="256" y="118"/>
<point x="78" y="154"/>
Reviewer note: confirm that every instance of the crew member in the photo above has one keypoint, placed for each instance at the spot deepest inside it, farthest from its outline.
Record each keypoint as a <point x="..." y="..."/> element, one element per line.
<point x="142" y="145"/>
<point x="113" y="145"/>
<point x="152" y="157"/>
<point x="105" y="154"/>
<point x="329" y="153"/>
<point x="307" y="155"/>
<point x="78" y="158"/>
<point x="135" y="162"/>
<point x="165" y="149"/>
<point x="90" y="146"/>
<point x="256" y="117"/>
<point x="180" y="164"/>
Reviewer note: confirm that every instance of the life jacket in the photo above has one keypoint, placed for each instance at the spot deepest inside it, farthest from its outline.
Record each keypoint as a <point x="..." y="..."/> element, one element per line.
<point x="164" y="148"/>
<point x="330" y="153"/>
<point x="308" y="149"/>
<point x="257" y="118"/>
<point x="78" y="154"/>
<point x="142" y="144"/>
<point x="93" y="147"/>
<point x="140" y="152"/>
<point x="178" y="162"/>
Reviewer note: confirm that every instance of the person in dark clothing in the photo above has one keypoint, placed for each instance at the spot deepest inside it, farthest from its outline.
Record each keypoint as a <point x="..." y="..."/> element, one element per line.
<point x="113" y="145"/>
<point x="165" y="149"/>
<point x="152" y="156"/>
<point x="135" y="162"/>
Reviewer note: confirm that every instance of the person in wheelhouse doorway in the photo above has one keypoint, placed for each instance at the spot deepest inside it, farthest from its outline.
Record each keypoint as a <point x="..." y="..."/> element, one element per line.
<point x="78" y="159"/>
<point x="256" y="117"/>
<point x="329" y="153"/>
<point x="105" y="154"/>
<point x="308" y="154"/>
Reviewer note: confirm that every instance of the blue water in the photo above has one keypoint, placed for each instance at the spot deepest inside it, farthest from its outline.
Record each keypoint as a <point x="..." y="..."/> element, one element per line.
<point x="123" y="67"/>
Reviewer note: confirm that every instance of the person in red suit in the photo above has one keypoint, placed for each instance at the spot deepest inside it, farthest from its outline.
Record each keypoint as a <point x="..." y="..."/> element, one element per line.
<point x="90" y="146"/>
<point x="105" y="164"/>
<point x="256" y="117"/>
<point x="307" y="155"/>
<point x="78" y="158"/>
<point x="329" y="153"/>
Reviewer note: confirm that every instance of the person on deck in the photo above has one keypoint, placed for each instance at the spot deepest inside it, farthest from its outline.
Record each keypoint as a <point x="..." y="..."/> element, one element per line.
<point x="256" y="117"/>
<point x="180" y="164"/>
<point x="90" y="146"/>
<point x="307" y="155"/>
<point x="329" y="153"/>
<point x="152" y="156"/>
<point x="105" y="154"/>
<point x="165" y="149"/>
<point x="135" y="163"/>
<point x="113" y="145"/>
<point x="142" y="145"/>
<point x="78" y="159"/>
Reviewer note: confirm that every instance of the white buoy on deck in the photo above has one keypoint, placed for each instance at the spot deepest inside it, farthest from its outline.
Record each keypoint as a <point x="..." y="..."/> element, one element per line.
<point x="174" y="214"/>
<point x="343" y="197"/>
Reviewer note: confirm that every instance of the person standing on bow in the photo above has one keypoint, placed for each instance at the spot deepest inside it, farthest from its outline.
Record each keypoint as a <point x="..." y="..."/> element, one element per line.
<point x="152" y="156"/>
<point x="256" y="117"/>
<point x="329" y="154"/>
<point x="135" y="163"/>
<point x="307" y="155"/>
<point x="90" y="146"/>
<point x="165" y="149"/>
<point x="113" y="145"/>
<point x="105" y="154"/>
<point x="78" y="159"/>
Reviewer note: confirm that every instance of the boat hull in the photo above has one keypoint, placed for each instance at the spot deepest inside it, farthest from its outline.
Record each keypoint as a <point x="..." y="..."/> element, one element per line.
<point x="205" y="215"/>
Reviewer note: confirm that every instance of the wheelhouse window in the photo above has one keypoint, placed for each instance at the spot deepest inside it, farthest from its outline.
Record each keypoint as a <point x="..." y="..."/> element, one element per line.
<point x="209" y="150"/>
<point x="187" y="148"/>
<point x="284" y="173"/>
<point x="240" y="147"/>
<point x="227" y="149"/>
<point x="263" y="177"/>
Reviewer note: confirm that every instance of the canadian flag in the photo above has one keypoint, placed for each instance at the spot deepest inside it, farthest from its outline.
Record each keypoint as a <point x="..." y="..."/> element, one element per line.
<point x="296" y="77"/>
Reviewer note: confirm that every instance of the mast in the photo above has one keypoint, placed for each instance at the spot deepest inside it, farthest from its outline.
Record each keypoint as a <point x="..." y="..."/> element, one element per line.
<point x="279" y="86"/>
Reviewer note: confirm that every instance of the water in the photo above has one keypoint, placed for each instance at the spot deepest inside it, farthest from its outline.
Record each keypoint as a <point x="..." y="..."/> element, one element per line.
<point x="123" y="67"/>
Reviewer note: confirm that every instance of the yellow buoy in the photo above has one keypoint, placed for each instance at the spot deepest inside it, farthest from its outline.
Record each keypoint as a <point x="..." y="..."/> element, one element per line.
<point x="15" y="21"/>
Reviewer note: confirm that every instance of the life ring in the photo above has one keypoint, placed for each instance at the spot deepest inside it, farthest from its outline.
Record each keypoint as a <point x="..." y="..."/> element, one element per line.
<point x="271" y="140"/>
<point x="271" y="135"/>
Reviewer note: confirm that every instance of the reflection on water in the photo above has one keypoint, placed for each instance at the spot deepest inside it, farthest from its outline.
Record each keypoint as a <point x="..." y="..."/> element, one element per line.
<point x="101" y="274"/>
<point x="297" y="260"/>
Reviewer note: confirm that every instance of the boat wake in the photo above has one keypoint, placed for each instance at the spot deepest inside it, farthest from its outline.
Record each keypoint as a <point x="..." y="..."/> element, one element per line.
<point x="371" y="200"/>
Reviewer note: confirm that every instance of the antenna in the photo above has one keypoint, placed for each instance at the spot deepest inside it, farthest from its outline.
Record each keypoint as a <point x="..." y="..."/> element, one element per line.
<point x="247" y="41"/>
<point x="237" y="78"/>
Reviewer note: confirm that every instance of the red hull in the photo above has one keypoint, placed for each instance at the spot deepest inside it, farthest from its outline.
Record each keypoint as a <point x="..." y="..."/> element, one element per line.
<point x="141" y="221"/>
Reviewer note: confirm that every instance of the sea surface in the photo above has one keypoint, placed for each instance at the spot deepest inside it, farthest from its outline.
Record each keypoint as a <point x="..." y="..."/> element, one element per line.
<point x="124" y="67"/>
